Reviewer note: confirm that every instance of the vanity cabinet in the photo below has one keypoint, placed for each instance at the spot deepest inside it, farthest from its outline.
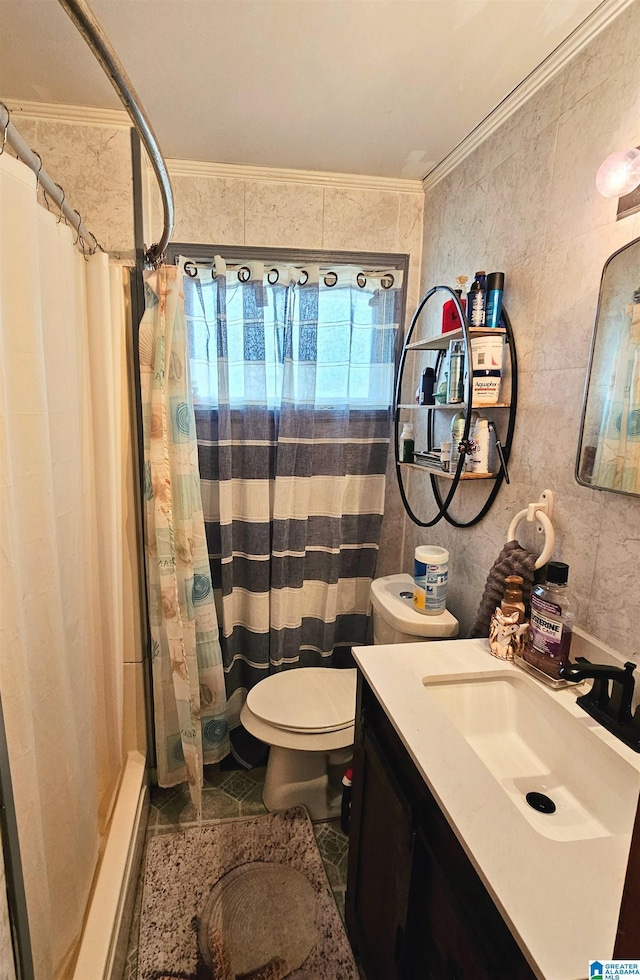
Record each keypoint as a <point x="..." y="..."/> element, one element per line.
<point x="415" y="907"/>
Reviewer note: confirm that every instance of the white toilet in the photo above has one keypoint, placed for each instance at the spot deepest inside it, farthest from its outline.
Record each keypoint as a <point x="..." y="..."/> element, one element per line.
<point x="307" y="715"/>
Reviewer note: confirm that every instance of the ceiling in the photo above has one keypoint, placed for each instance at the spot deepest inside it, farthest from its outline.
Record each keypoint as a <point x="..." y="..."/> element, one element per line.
<point x="379" y="87"/>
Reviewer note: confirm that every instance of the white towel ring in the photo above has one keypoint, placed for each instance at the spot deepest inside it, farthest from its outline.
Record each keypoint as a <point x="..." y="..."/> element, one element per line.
<point x="549" y="534"/>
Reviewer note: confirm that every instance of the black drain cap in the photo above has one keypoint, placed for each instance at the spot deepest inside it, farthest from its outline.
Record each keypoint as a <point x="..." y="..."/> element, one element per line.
<point x="540" y="802"/>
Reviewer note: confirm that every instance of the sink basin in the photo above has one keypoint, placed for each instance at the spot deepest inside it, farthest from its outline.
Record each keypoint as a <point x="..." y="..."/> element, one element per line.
<point x="530" y="743"/>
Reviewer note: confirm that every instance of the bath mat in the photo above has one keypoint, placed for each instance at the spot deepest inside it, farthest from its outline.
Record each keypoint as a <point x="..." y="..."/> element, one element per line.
<point x="245" y="898"/>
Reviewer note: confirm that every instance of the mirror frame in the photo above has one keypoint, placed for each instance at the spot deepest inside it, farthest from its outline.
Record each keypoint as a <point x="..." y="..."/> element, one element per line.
<point x="585" y="398"/>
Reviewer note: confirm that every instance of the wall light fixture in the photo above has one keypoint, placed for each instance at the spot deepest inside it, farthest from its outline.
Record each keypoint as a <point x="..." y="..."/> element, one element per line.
<point x="619" y="174"/>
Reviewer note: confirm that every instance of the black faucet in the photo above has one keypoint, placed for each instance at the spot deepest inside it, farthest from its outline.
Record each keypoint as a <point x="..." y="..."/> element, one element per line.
<point x="612" y="710"/>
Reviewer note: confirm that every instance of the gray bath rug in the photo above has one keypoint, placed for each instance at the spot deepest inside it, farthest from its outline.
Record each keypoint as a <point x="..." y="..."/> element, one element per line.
<point x="244" y="899"/>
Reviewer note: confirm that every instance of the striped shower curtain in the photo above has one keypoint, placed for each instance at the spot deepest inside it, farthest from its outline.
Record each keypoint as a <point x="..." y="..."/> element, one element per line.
<point x="293" y="378"/>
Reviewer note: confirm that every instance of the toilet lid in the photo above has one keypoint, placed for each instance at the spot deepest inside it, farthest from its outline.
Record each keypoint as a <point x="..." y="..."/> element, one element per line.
<point x="306" y="699"/>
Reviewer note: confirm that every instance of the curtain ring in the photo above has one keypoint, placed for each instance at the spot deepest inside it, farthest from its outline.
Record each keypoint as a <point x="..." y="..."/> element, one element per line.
<point x="303" y="281"/>
<point x="188" y="266"/>
<point x="36" y="154"/>
<point x="273" y="272"/>
<point x="244" y="273"/>
<point x="361" y="279"/>
<point x="6" y="128"/>
<point x="61" y="189"/>
<point x="330" y="279"/>
<point x="78" y="226"/>
<point x="387" y="281"/>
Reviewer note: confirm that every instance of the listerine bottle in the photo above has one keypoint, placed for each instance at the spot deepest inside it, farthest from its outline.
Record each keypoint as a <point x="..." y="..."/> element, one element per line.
<point x="551" y="625"/>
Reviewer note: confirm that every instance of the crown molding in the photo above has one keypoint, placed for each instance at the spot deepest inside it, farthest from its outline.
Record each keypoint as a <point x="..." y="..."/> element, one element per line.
<point x="119" y="118"/>
<point x="596" y="22"/>
<point x="58" y="112"/>
<point x="194" y="168"/>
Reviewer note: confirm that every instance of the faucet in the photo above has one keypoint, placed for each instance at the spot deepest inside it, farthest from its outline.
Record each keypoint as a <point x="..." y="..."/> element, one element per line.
<point x="612" y="710"/>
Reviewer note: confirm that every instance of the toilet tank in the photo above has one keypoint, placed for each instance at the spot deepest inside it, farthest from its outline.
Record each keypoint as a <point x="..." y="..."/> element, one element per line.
<point x="396" y="621"/>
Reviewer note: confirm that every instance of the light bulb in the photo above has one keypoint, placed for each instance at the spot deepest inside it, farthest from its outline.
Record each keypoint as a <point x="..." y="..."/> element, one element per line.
<point x="619" y="174"/>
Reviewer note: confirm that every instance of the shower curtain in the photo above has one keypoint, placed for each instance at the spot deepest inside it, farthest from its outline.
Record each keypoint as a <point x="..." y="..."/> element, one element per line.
<point x="188" y="681"/>
<point x="292" y="374"/>
<point x="61" y="631"/>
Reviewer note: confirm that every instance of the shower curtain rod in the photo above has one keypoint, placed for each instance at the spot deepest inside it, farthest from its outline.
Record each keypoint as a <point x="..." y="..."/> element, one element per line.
<point x="84" y="19"/>
<point x="52" y="190"/>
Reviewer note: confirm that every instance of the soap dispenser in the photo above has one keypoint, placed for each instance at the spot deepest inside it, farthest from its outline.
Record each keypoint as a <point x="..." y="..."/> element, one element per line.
<point x="512" y="600"/>
<point x="508" y="630"/>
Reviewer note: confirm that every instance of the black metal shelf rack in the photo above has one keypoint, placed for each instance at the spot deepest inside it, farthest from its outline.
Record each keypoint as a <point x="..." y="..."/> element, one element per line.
<point x="440" y="344"/>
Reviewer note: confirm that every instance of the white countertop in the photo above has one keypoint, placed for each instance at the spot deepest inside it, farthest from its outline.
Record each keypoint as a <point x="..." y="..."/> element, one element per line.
<point x="561" y="899"/>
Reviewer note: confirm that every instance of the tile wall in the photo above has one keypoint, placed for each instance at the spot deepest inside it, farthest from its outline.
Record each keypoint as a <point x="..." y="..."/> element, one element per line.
<point x="93" y="165"/>
<point x="300" y="214"/>
<point x="525" y="202"/>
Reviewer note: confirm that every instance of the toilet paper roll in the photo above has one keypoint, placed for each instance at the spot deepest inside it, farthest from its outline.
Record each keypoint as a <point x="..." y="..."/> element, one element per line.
<point x="430" y="577"/>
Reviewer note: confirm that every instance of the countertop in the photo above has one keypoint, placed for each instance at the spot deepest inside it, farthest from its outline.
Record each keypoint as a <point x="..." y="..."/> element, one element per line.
<point x="560" y="899"/>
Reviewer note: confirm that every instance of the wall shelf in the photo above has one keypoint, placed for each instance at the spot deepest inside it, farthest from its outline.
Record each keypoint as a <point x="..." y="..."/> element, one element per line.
<point x="441" y="341"/>
<point x="439" y="344"/>
<point x="455" y="406"/>
<point x="448" y="475"/>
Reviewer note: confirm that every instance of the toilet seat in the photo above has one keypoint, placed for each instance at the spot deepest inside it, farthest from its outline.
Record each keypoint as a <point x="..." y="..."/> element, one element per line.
<point x="306" y="700"/>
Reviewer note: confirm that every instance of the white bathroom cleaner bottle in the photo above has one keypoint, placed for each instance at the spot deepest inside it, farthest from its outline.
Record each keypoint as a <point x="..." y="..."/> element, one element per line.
<point x="482" y="457"/>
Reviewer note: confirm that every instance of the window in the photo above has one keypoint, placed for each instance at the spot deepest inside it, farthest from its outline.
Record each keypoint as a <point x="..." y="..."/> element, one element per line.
<point x="320" y="335"/>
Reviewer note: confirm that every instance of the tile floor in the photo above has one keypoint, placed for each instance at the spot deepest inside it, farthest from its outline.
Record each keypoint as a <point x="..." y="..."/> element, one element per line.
<point x="228" y="794"/>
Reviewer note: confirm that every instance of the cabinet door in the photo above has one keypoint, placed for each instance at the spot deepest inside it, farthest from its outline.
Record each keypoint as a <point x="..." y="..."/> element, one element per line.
<point x="452" y="930"/>
<point x="383" y="871"/>
<point x="443" y="946"/>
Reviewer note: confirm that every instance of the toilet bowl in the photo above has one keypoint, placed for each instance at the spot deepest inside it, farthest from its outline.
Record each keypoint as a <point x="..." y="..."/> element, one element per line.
<point x="307" y="715"/>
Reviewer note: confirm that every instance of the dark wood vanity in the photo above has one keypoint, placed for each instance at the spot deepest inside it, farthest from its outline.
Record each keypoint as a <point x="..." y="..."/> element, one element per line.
<point x="415" y="907"/>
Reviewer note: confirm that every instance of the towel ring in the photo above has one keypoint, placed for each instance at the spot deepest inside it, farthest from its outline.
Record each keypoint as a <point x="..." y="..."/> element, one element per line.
<point x="549" y="534"/>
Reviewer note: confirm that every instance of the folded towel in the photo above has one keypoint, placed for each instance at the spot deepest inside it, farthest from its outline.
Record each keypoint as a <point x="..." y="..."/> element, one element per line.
<point x="512" y="560"/>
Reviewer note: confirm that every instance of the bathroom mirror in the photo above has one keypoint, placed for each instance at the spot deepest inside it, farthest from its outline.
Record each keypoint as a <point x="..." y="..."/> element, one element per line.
<point x="609" y="449"/>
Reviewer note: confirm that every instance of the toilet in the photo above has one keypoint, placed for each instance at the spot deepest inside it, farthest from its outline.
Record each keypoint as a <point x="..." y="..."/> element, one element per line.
<point x="307" y="715"/>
